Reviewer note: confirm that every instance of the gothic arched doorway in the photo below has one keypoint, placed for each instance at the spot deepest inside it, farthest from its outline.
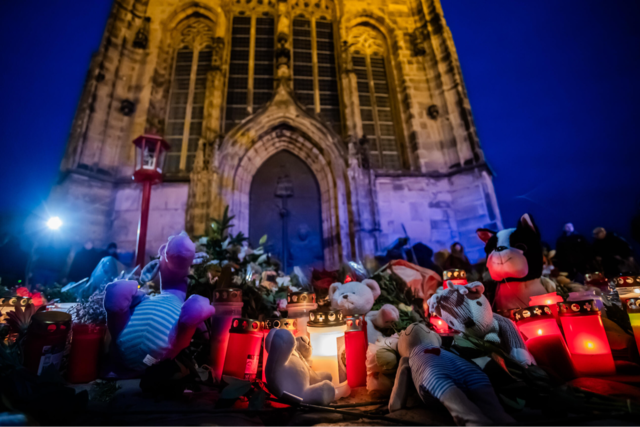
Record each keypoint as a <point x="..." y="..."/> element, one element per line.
<point x="285" y="205"/>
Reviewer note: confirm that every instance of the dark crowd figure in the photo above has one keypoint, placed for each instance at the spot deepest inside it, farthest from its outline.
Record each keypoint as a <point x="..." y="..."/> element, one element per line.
<point x="613" y="253"/>
<point x="84" y="262"/>
<point x="112" y="251"/>
<point x="573" y="252"/>
<point x="457" y="259"/>
<point x="423" y="257"/>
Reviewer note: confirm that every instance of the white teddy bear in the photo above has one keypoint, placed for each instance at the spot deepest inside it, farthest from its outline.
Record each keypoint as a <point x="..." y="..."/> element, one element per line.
<point x="358" y="298"/>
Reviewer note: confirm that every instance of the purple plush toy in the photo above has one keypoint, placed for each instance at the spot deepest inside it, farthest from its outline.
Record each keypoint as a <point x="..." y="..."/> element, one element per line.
<point x="147" y="329"/>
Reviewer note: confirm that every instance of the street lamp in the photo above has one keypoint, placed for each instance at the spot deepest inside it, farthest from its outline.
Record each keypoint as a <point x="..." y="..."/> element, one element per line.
<point x="54" y="223"/>
<point x="150" y="153"/>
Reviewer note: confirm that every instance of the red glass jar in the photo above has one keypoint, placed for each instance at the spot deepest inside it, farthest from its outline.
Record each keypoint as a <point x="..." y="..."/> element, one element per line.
<point x="46" y="340"/>
<point x="243" y="351"/>
<point x="544" y="340"/>
<point x="455" y="276"/>
<point x="275" y="323"/>
<point x="440" y="325"/>
<point x="598" y="280"/>
<point x="228" y="305"/>
<point x="586" y="338"/>
<point x="86" y="342"/>
<point x="355" y="340"/>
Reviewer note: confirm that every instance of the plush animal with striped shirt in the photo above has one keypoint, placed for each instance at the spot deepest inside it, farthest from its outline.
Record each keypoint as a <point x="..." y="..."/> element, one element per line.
<point x="465" y="309"/>
<point x="459" y="385"/>
<point x="147" y="329"/>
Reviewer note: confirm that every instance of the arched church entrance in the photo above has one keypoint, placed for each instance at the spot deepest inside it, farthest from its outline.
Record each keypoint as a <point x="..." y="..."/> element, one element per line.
<point x="284" y="204"/>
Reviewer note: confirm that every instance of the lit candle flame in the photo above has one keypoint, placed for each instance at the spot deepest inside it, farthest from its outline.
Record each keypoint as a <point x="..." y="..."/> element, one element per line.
<point x="548" y="301"/>
<point x="539" y="331"/>
<point x="589" y="345"/>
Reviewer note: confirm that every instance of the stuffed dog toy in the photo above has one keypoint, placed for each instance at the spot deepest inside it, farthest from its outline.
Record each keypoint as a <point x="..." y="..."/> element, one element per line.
<point x="358" y="298"/>
<point x="146" y="329"/>
<point x="465" y="309"/>
<point x="514" y="260"/>
<point x="460" y="385"/>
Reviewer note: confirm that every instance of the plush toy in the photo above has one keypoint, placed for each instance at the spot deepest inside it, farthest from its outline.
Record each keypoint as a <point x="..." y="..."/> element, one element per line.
<point x="465" y="309"/>
<point x="460" y="385"/>
<point x="514" y="259"/>
<point x="287" y="371"/>
<point x="358" y="298"/>
<point x="146" y="329"/>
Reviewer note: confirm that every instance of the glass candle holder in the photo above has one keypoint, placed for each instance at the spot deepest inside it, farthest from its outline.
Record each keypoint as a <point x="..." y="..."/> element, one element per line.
<point x="551" y="300"/>
<point x="585" y="295"/>
<point x="326" y="330"/>
<point x="46" y="340"/>
<point x="586" y="338"/>
<point x="228" y="305"/>
<point x="299" y="305"/>
<point x="86" y="343"/>
<point x="356" y="345"/>
<point x="455" y="276"/>
<point x="544" y="340"/>
<point x="630" y="299"/>
<point x="275" y="323"/>
<point x="440" y="325"/>
<point x="597" y="280"/>
<point x="243" y="351"/>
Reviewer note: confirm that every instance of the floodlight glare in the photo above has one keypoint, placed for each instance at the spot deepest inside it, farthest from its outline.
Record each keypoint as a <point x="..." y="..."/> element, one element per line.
<point x="54" y="223"/>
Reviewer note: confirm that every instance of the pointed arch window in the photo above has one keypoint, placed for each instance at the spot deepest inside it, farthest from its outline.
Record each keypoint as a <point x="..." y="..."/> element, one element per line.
<point x="315" y="80"/>
<point x="185" y="113"/>
<point x="377" y="110"/>
<point x="251" y="67"/>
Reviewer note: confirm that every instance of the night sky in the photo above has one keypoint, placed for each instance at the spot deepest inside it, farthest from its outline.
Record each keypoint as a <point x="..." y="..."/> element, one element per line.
<point x="553" y="85"/>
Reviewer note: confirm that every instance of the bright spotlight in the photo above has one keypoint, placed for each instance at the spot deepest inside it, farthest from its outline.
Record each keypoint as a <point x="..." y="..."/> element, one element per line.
<point x="54" y="223"/>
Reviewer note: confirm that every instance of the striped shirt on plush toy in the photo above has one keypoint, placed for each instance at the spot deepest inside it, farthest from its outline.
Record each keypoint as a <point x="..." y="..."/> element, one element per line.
<point x="435" y="371"/>
<point x="140" y="345"/>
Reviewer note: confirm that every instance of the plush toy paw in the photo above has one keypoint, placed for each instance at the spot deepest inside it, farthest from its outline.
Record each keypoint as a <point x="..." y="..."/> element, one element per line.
<point x="303" y="346"/>
<point x="119" y="295"/>
<point x="195" y="310"/>
<point x="492" y="337"/>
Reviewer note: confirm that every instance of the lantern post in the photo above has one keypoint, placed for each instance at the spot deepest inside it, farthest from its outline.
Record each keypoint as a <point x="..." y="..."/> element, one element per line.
<point x="150" y="153"/>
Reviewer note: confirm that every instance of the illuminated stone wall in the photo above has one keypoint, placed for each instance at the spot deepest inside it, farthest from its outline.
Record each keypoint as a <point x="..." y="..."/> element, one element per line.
<point x="438" y="186"/>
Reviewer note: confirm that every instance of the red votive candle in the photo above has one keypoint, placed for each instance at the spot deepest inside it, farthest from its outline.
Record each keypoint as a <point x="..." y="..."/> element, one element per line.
<point x="552" y="299"/>
<point x="228" y="305"/>
<point x="455" y="276"/>
<point x="630" y="298"/>
<point x="440" y="325"/>
<point x="274" y="323"/>
<point x="356" y="344"/>
<point x="86" y="343"/>
<point x="544" y="340"/>
<point x="243" y="351"/>
<point x="598" y="280"/>
<point x="46" y="340"/>
<point x="586" y="338"/>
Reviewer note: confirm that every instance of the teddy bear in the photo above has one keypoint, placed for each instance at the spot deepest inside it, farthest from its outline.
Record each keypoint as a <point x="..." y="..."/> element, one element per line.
<point x="287" y="371"/>
<point x="465" y="309"/>
<point x="358" y="298"/>
<point x="146" y="329"/>
<point x="514" y="260"/>
<point x="458" y="384"/>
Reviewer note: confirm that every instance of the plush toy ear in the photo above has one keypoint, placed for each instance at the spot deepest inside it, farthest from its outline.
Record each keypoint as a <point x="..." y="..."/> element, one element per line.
<point x="476" y="289"/>
<point x="526" y="221"/>
<point x="373" y="285"/>
<point x="485" y="234"/>
<point x="333" y="288"/>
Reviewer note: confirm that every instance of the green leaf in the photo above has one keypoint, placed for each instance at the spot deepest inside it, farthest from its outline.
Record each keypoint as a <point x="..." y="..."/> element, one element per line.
<point x="263" y="240"/>
<point x="235" y="389"/>
<point x="257" y="399"/>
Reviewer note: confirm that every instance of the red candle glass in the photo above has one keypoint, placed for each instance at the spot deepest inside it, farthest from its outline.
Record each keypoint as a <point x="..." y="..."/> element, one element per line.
<point x="440" y="325"/>
<point x="630" y="298"/>
<point x="86" y="343"/>
<point x="46" y="340"/>
<point x="597" y="280"/>
<point x="228" y="305"/>
<point x="243" y="351"/>
<point x="586" y="338"/>
<point x="455" y="276"/>
<point x="552" y="299"/>
<point x="544" y="340"/>
<point x="275" y="323"/>
<point x="356" y="344"/>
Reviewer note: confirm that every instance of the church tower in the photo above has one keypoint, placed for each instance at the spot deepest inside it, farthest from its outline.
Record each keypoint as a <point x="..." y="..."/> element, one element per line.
<point x="332" y="126"/>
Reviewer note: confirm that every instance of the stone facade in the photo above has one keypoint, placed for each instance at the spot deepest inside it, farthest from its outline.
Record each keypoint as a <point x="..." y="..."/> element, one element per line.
<point x="436" y="184"/>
